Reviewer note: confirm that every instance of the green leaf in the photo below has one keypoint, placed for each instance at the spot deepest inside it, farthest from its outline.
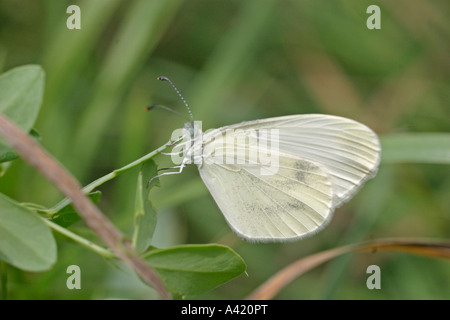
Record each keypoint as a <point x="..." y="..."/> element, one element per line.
<point x="193" y="269"/>
<point x="416" y="147"/>
<point x="68" y="215"/>
<point x="21" y="92"/>
<point x="4" y="167"/>
<point x="9" y="154"/>
<point x="26" y="242"/>
<point x="144" y="214"/>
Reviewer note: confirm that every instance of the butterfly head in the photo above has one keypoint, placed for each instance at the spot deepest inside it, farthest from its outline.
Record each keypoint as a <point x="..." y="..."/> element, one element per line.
<point x="193" y="137"/>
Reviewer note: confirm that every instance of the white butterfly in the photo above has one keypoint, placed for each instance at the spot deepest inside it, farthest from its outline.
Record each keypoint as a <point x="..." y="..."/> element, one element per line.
<point x="322" y="162"/>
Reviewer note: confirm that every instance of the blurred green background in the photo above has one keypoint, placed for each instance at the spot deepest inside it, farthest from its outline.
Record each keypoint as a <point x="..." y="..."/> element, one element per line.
<point x="235" y="61"/>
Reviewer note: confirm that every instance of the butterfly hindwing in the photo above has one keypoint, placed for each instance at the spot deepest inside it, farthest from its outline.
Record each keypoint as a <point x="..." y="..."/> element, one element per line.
<point x="292" y="202"/>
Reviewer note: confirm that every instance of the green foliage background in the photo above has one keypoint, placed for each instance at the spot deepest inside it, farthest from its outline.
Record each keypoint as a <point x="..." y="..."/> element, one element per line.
<point x="235" y="61"/>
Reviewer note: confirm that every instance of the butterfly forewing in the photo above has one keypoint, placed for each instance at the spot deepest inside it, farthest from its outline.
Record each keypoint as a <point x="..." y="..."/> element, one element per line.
<point x="294" y="201"/>
<point x="348" y="150"/>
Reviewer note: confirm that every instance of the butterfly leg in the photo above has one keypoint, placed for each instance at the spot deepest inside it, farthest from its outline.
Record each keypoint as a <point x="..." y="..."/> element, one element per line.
<point x="172" y="153"/>
<point x="180" y="167"/>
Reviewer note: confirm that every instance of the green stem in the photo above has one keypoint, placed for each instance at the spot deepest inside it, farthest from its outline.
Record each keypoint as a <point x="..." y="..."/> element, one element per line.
<point x="91" y="186"/>
<point x="88" y="244"/>
<point x="3" y="280"/>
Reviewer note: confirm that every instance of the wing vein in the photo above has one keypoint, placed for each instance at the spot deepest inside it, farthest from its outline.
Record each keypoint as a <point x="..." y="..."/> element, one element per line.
<point x="286" y="210"/>
<point x="282" y="191"/>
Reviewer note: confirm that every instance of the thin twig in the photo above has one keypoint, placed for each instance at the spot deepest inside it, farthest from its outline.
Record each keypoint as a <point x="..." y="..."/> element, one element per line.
<point x="93" y="217"/>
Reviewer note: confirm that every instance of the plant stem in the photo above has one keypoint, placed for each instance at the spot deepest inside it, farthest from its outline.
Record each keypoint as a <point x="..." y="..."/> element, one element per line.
<point x="3" y="280"/>
<point x="105" y="253"/>
<point x="113" y="174"/>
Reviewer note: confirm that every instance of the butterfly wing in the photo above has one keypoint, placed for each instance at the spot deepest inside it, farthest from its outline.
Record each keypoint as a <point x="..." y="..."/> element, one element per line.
<point x="348" y="150"/>
<point x="294" y="201"/>
<point x="323" y="161"/>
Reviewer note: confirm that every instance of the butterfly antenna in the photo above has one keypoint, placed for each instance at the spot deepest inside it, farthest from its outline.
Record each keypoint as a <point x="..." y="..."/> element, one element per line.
<point x="162" y="78"/>
<point x="154" y="106"/>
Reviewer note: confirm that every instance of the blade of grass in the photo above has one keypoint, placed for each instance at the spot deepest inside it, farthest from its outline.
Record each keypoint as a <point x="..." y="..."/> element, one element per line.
<point x="426" y="247"/>
<point x="67" y="50"/>
<point x="3" y="280"/>
<point x="416" y="147"/>
<point x="233" y="53"/>
<point x="65" y="58"/>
